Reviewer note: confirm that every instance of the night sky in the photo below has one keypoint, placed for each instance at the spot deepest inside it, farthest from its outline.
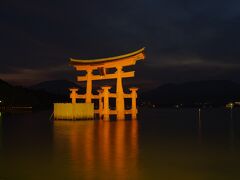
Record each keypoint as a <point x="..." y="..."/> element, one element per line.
<point x="185" y="40"/>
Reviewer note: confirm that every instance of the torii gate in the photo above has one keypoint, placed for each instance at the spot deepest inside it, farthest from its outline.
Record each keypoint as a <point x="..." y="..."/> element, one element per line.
<point x="103" y="65"/>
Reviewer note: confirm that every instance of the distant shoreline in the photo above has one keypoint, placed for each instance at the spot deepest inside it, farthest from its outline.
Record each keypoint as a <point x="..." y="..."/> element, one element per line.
<point x="15" y="109"/>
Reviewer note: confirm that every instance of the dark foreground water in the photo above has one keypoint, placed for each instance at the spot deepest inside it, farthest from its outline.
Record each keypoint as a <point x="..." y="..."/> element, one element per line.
<point x="163" y="144"/>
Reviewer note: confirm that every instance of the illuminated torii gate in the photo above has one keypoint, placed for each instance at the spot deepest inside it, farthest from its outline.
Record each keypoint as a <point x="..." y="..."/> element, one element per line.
<point x="102" y="66"/>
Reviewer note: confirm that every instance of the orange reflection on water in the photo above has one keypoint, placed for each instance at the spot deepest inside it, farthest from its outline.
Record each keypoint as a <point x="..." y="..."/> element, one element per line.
<point x="98" y="149"/>
<point x="104" y="144"/>
<point x="120" y="149"/>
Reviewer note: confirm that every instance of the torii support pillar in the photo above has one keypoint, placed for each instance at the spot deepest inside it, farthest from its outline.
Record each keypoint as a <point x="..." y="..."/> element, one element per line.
<point x="100" y="93"/>
<point x="106" y="109"/>
<point x="134" y="102"/>
<point x="74" y="95"/>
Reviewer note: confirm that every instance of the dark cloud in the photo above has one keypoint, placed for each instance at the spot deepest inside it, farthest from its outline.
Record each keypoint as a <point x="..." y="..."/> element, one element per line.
<point x="185" y="40"/>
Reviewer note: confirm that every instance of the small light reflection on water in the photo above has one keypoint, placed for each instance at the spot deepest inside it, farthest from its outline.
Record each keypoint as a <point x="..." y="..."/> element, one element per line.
<point x="232" y="129"/>
<point x="200" y="133"/>
<point x="0" y="131"/>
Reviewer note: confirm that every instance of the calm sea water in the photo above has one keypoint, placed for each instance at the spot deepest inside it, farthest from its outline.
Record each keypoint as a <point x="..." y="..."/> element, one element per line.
<point x="161" y="144"/>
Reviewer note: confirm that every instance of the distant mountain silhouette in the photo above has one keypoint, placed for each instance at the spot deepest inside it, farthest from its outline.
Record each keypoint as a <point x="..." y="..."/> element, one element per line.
<point x="200" y="93"/>
<point x="4" y="86"/>
<point x="214" y="92"/>
<point x="20" y="96"/>
<point x="57" y="86"/>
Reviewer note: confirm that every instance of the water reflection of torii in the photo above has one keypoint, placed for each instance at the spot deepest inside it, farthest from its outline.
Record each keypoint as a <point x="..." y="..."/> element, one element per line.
<point x="103" y="66"/>
<point x="98" y="148"/>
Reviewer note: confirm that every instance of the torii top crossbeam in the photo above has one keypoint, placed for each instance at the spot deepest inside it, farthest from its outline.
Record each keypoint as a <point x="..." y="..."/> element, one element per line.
<point x="109" y="62"/>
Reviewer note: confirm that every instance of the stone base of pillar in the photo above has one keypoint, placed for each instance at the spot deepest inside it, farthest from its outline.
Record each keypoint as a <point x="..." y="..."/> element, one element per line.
<point x="121" y="116"/>
<point x="134" y="116"/>
<point x="106" y="117"/>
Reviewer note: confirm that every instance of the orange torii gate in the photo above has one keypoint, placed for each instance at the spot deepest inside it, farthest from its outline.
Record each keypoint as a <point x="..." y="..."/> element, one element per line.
<point x="102" y="66"/>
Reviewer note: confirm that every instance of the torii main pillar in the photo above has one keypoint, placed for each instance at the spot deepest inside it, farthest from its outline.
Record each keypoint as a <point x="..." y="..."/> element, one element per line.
<point x="119" y="92"/>
<point x="89" y="86"/>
